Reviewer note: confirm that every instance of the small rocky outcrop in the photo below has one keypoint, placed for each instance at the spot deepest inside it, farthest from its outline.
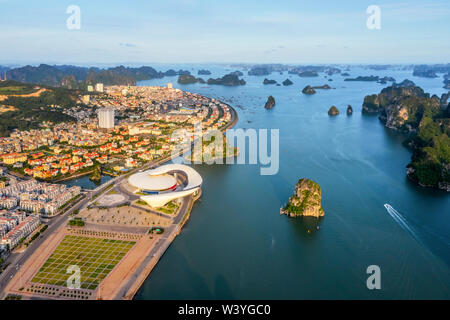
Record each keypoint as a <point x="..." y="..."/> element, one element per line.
<point x="306" y="200"/>
<point x="308" y="90"/>
<point x="349" y="110"/>
<point x="204" y="72"/>
<point x="270" y="103"/>
<point x="287" y="82"/>
<point x="308" y="74"/>
<point x="267" y="81"/>
<point x="333" y="111"/>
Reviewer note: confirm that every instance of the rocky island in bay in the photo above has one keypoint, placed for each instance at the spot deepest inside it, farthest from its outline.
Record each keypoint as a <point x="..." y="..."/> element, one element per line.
<point x="204" y="72"/>
<point x="212" y="150"/>
<point x="407" y="108"/>
<point x="189" y="79"/>
<point x="308" y="90"/>
<point x="287" y="82"/>
<point x="308" y="74"/>
<point x="424" y="73"/>
<point x="267" y="81"/>
<point x="333" y="111"/>
<point x="363" y="78"/>
<point x="349" y="110"/>
<point x="172" y="73"/>
<point x="312" y="89"/>
<point x="447" y="82"/>
<point x="306" y="200"/>
<point x="229" y="80"/>
<point x="385" y="80"/>
<point x="259" y="71"/>
<point x="270" y="103"/>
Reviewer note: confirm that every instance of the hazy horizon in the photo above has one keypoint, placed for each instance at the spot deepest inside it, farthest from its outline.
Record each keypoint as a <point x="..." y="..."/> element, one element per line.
<point x="204" y="32"/>
<point x="155" y="64"/>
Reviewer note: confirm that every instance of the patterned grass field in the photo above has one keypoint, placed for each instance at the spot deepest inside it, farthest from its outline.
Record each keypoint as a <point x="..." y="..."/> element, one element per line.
<point x="95" y="257"/>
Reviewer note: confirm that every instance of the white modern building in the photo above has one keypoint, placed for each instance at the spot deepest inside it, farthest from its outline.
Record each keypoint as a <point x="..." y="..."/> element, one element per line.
<point x="160" y="185"/>
<point x="99" y="87"/>
<point x="106" y="118"/>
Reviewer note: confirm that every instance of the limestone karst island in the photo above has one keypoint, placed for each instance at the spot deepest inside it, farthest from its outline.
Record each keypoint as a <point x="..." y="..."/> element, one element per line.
<point x="306" y="200"/>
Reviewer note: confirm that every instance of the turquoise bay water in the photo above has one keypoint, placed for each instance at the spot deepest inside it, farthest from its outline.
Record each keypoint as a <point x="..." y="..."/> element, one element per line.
<point x="237" y="246"/>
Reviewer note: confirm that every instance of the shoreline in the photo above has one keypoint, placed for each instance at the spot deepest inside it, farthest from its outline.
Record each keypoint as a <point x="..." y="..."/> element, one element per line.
<point x="138" y="263"/>
<point x="153" y="260"/>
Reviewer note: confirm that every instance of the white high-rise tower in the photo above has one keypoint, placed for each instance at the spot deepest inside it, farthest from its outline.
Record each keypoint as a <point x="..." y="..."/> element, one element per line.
<point x="106" y="118"/>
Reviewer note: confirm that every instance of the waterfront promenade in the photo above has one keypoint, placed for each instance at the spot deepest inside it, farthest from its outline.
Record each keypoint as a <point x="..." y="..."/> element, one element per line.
<point x="126" y="278"/>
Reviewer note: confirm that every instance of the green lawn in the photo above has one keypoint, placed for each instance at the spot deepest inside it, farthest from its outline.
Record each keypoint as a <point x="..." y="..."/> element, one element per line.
<point x="95" y="258"/>
<point x="169" y="208"/>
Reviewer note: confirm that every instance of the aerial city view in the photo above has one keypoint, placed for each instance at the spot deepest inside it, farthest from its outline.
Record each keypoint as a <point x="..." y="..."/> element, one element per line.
<point x="201" y="150"/>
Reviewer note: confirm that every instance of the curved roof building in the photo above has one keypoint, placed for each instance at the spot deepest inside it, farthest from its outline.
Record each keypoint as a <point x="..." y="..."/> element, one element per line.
<point x="147" y="182"/>
<point x="161" y="185"/>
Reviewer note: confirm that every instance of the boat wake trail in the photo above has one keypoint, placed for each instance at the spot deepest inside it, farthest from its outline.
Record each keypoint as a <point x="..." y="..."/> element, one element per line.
<point x="401" y="221"/>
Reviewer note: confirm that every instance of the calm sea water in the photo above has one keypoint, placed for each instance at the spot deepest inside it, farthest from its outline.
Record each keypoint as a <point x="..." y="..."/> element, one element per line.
<point x="237" y="246"/>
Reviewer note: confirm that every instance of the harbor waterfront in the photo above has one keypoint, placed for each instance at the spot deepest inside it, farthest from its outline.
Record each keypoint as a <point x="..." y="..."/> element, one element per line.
<point x="237" y="246"/>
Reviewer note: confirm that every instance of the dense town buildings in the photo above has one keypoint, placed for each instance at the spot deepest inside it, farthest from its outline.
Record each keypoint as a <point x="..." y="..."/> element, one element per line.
<point x="148" y="118"/>
<point x="37" y="197"/>
<point x="20" y="231"/>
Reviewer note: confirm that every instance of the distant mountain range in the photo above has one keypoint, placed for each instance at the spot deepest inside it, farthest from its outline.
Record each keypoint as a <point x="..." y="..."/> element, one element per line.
<point x="430" y="71"/>
<point x="74" y="77"/>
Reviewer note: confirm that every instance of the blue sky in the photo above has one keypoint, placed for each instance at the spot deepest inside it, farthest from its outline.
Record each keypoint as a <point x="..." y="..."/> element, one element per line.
<point x="202" y="31"/>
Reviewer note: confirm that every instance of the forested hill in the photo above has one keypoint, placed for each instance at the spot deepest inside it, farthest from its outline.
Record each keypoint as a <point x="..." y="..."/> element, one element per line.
<point x="25" y="106"/>
<point x="74" y="77"/>
<point x="406" y="107"/>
